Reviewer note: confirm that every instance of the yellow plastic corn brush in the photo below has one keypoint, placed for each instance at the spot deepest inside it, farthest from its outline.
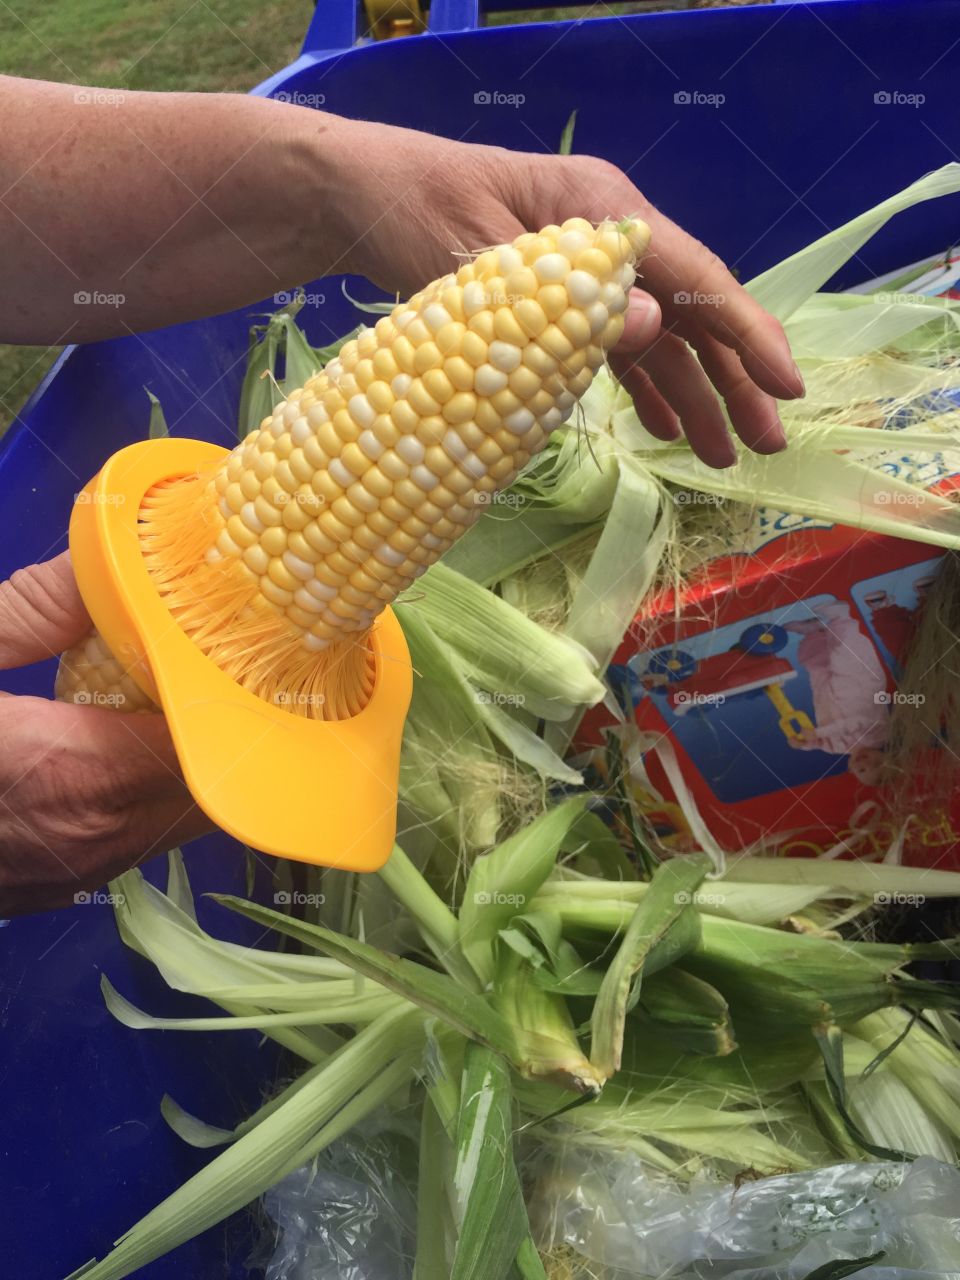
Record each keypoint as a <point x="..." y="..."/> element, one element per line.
<point x="247" y="591"/>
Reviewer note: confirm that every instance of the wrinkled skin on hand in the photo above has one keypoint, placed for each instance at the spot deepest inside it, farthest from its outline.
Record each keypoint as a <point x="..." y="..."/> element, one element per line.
<point x="85" y="792"/>
<point x="694" y="337"/>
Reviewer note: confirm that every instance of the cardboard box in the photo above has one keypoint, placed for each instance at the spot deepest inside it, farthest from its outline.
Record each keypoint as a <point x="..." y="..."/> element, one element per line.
<point x="771" y="682"/>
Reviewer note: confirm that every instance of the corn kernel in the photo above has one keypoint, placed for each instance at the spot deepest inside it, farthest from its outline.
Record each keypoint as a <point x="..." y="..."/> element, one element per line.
<point x="267" y="513"/>
<point x="276" y="595"/>
<point x="385" y="366"/>
<point x="381" y="398"/>
<point x="427" y="357"/>
<point x="438" y="385"/>
<point x="449" y="338"/>
<point x="576" y="326"/>
<point x="274" y="541"/>
<point x="239" y="532"/>
<point x="461" y="407"/>
<point x="524" y="382"/>
<point x="473" y="349"/>
<point x="506" y="327"/>
<point x="420" y="399"/>
<point x="256" y="559"/>
<point x="505" y="402"/>
<point x="482" y="325"/>
<point x="555" y="342"/>
<point x="460" y="373"/>
<point x="595" y="262"/>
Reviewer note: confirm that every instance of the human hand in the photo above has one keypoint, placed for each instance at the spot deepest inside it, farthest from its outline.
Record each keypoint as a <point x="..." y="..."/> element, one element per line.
<point x="85" y="792"/>
<point x="412" y="200"/>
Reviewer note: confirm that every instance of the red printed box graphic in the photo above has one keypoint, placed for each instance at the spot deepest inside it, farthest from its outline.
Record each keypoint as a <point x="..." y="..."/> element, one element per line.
<point x="767" y="692"/>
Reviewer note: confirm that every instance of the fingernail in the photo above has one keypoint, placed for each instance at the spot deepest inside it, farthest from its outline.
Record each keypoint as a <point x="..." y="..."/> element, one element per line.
<point x="640" y="322"/>
<point x="799" y="379"/>
<point x="640" y="304"/>
<point x="774" y="439"/>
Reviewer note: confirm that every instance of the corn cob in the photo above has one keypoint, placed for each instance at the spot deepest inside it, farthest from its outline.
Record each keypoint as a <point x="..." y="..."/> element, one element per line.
<point x="279" y="562"/>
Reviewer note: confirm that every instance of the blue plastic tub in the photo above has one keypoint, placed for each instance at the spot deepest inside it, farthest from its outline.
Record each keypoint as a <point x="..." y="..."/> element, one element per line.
<point x="798" y="144"/>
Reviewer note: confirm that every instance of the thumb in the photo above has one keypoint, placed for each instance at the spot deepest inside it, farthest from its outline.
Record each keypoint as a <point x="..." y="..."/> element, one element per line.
<point x="641" y="323"/>
<point x="41" y="613"/>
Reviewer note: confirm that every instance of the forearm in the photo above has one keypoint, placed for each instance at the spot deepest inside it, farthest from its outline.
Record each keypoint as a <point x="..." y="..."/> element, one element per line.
<point x="158" y="207"/>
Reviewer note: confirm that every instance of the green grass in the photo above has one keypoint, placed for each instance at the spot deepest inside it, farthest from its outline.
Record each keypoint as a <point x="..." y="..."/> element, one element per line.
<point x="140" y="44"/>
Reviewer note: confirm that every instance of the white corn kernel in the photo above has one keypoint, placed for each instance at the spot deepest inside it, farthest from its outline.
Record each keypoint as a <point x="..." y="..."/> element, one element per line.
<point x="299" y="568"/>
<point x="503" y="356"/>
<point x="573" y="243"/>
<point x="389" y="555"/>
<point x="488" y="380"/>
<point x="250" y="518"/>
<point x="474" y="298"/>
<point x="321" y="590"/>
<point x="453" y="445"/>
<point x="582" y="288"/>
<point x="410" y="449"/>
<point x="370" y="445"/>
<point x="304" y="600"/>
<point x="435" y="316"/>
<point x="552" y="268"/>
<point x="361" y="410"/>
<point x="519" y="422"/>
<point x="301" y="431"/>
<point x="597" y="316"/>
<point x="343" y="477"/>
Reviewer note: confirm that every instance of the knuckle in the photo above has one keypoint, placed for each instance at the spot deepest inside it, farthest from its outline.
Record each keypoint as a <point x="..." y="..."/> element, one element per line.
<point x="32" y="593"/>
<point x="710" y="268"/>
<point x="598" y="167"/>
<point x="594" y="183"/>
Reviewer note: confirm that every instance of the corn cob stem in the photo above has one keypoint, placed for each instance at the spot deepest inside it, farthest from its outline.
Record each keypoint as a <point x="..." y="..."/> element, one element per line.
<point x="279" y="562"/>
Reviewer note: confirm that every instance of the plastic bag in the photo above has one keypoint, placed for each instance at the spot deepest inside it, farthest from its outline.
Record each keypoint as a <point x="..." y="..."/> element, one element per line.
<point x="348" y="1215"/>
<point x="641" y="1225"/>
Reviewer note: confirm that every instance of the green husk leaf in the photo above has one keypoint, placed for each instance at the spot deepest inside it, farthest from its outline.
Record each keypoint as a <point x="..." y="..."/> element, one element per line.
<point x="529" y="1265"/>
<point x="300" y="361"/>
<point x="437" y="994"/>
<point x="360" y="1077"/>
<point x="841" y="1268"/>
<point x="436" y="922"/>
<point x="494" y="643"/>
<point x="836" y="488"/>
<point x="519" y="737"/>
<point x="858" y="877"/>
<point x="774" y="978"/>
<point x="554" y="501"/>
<point x="619" y="574"/>
<point x="443" y="719"/>
<point x="687" y="1011"/>
<point x="178" y="884"/>
<point x="190" y="960"/>
<point x="592" y="846"/>
<point x="543" y="1028"/>
<point x="566" y="137"/>
<point x="829" y="1038"/>
<point x="435" y="1226"/>
<point x="665" y="905"/>
<point x="259" y="394"/>
<point x="503" y="882"/>
<point x="493" y="1221"/>
<point x="353" y="1007"/>
<point x="782" y="288"/>
<point x="196" y="1133"/>
<point x="158" y="424"/>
